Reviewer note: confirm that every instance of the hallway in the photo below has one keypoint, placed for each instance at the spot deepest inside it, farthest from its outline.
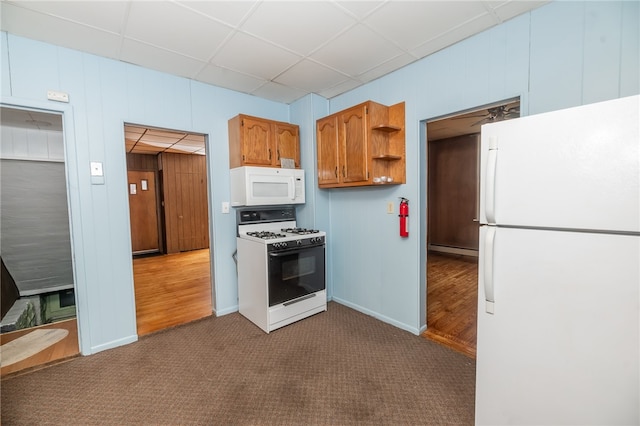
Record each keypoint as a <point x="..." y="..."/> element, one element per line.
<point x="171" y="289"/>
<point x="452" y="301"/>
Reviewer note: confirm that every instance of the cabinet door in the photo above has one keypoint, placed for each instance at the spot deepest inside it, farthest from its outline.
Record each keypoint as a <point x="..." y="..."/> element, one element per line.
<point x="352" y="134"/>
<point x="327" y="140"/>
<point x="256" y="142"/>
<point x="287" y="142"/>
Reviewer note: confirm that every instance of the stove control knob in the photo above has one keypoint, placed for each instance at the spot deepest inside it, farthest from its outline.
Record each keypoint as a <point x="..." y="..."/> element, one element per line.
<point x="299" y="242"/>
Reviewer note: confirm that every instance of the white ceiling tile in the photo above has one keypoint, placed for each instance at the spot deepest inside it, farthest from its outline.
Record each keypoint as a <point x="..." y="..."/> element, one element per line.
<point x="105" y="15"/>
<point x="177" y="28"/>
<point x="299" y="32"/>
<point x="356" y="51"/>
<point x="253" y="56"/>
<point x="158" y="59"/>
<point x="359" y="9"/>
<point x="310" y="76"/>
<point x="278" y="92"/>
<point x="453" y="36"/>
<point x="507" y="10"/>
<point x="387" y="67"/>
<point x="230" y="12"/>
<point x="345" y="86"/>
<point x="229" y="79"/>
<point x="27" y="23"/>
<point x="411" y="23"/>
<point x="256" y="46"/>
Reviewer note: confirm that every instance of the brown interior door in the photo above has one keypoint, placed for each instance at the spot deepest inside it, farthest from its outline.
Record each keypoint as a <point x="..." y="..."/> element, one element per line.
<point x="143" y="210"/>
<point x="453" y="192"/>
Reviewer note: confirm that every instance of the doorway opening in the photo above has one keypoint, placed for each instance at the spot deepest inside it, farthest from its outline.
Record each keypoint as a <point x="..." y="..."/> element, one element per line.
<point x="169" y="218"/>
<point x="453" y="191"/>
<point x="38" y="318"/>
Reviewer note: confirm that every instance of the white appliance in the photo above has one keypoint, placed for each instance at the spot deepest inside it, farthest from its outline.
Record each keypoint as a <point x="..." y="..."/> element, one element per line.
<point x="266" y="186"/>
<point x="559" y="268"/>
<point x="281" y="267"/>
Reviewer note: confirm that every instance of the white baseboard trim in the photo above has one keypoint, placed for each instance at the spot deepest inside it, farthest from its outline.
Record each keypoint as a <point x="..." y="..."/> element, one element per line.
<point x="226" y="311"/>
<point x="452" y="250"/>
<point x="377" y="316"/>
<point x="113" y="344"/>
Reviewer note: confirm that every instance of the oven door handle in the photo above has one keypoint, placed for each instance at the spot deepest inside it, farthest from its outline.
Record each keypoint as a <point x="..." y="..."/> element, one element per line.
<point x="287" y="252"/>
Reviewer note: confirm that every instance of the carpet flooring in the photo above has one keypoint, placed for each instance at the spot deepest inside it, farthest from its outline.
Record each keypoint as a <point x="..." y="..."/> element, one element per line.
<point x="339" y="367"/>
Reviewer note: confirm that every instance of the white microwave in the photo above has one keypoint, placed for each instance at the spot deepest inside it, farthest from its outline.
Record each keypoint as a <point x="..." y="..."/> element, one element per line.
<point x="266" y="186"/>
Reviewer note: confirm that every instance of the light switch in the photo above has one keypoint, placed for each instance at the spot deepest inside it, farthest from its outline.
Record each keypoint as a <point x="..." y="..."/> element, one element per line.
<point x="390" y="207"/>
<point x="225" y="207"/>
<point x="96" y="168"/>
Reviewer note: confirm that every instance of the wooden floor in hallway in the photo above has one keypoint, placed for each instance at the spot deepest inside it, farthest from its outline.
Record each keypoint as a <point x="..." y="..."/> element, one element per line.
<point x="452" y="301"/>
<point x="171" y="289"/>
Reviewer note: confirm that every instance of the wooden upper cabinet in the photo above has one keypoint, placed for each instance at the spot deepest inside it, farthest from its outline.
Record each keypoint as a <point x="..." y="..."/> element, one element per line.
<point x="327" y="144"/>
<point x="255" y="141"/>
<point x="360" y="145"/>
<point x="287" y="144"/>
<point x="352" y="137"/>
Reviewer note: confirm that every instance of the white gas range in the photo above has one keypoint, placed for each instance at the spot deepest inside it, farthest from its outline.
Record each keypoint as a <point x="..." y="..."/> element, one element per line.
<point x="281" y="267"/>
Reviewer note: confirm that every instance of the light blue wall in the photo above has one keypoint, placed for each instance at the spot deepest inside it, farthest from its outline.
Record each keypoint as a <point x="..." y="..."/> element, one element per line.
<point x="104" y="94"/>
<point x="560" y="55"/>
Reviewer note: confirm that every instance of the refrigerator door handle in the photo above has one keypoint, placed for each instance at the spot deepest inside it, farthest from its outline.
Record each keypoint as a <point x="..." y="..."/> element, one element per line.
<point x="490" y="196"/>
<point x="488" y="268"/>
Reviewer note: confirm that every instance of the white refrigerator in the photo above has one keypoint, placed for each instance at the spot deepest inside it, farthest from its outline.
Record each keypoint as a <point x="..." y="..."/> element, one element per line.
<point x="559" y="268"/>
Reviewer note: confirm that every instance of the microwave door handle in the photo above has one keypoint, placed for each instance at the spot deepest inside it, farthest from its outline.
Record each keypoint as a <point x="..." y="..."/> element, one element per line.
<point x="292" y="188"/>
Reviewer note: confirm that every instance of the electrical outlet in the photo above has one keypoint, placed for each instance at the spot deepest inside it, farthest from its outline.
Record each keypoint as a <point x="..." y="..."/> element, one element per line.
<point x="225" y="207"/>
<point x="390" y="207"/>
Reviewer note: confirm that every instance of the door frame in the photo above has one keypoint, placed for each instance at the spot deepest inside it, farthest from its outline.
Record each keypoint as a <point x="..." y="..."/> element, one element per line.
<point x="423" y="186"/>
<point x="160" y="183"/>
<point x="73" y="204"/>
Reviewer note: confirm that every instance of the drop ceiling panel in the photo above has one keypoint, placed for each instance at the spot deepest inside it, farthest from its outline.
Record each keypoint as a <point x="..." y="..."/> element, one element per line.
<point x="345" y="86"/>
<point x="410" y="24"/>
<point x="508" y="9"/>
<point x="105" y="15"/>
<point x="294" y="25"/>
<point x="229" y="12"/>
<point x="356" y="51"/>
<point x="310" y="75"/>
<point x="253" y="56"/>
<point x="359" y="9"/>
<point x="229" y="79"/>
<point x="279" y="92"/>
<point x="387" y="67"/>
<point x="173" y="27"/>
<point x="158" y="59"/>
<point x="447" y="39"/>
<point x="27" y="23"/>
<point x="253" y="46"/>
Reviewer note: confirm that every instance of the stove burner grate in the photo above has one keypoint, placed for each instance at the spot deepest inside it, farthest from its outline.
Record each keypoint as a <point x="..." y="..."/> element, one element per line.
<point x="300" y="231"/>
<point x="265" y="235"/>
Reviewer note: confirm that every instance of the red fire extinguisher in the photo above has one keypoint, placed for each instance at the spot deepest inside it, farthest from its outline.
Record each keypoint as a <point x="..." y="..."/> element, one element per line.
<point x="404" y="217"/>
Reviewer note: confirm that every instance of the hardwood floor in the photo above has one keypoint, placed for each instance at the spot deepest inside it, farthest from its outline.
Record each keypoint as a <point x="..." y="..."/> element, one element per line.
<point x="171" y="289"/>
<point x="452" y="301"/>
<point x="64" y="349"/>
